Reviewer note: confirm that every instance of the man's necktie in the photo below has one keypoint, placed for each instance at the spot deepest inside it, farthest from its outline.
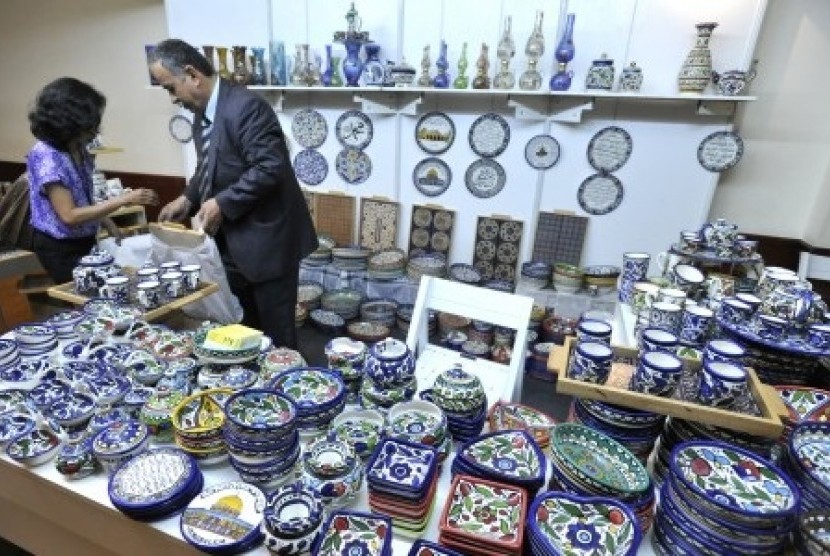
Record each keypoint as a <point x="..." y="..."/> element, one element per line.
<point x="202" y="161"/>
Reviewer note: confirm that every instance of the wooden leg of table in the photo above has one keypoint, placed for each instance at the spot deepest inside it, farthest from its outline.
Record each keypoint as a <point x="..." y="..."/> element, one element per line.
<point x="14" y="306"/>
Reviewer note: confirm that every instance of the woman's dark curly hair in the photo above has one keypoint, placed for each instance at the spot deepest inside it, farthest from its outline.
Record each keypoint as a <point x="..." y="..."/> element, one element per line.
<point x="64" y="109"/>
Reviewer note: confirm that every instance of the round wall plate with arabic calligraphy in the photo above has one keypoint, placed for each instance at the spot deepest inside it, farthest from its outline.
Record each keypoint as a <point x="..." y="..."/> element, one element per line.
<point x="600" y="194"/>
<point x="309" y="128"/>
<point x="489" y="135"/>
<point x="609" y="149"/>
<point x="485" y="178"/>
<point x="432" y="176"/>
<point x="542" y="152"/>
<point x="310" y="167"/>
<point x="435" y="132"/>
<point x="354" y="129"/>
<point x="720" y="150"/>
<point x="353" y="166"/>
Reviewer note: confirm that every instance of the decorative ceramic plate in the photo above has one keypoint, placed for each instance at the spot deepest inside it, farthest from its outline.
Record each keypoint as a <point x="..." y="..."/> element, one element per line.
<point x="347" y="533"/>
<point x="152" y="477"/>
<point x="435" y="132"/>
<point x="119" y="437"/>
<point x="309" y="128"/>
<point x="311" y="167"/>
<point x="510" y="231"/>
<point x="810" y="447"/>
<point x="310" y="388"/>
<point x="354" y="129"/>
<point x="485" y="178"/>
<point x="260" y="409"/>
<point x="734" y="479"/>
<point x="574" y="525"/>
<point x="720" y="151"/>
<point x="34" y="447"/>
<point x="353" y="165"/>
<point x="489" y="135"/>
<point x="542" y="152"/>
<point x="223" y="516"/>
<point x="432" y="176"/>
<point x="506" y="455"/>
<point x="803" y="402"/>
<point x="609" y="149"/>
<point x="402" y="465"/>
<point x="600" y="194"/>
<point x="180" y="128"/>
<point x="442" y="220"/>
<point x="795" y="344"/>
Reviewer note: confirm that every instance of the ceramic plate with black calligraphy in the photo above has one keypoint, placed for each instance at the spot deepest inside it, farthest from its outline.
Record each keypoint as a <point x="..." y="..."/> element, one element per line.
<point x="609" y="149"/>
<point x="600" y="194"/>
<point x="489" y="135"/>
<point x="720" y="151"/>
<point x="485" y="178"/>
<point x="354" y="129"/>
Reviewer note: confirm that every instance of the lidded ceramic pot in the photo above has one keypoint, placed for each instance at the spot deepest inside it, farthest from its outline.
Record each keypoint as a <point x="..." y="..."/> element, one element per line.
<point x="389" y="362"/>
<point x="457" y="390"/>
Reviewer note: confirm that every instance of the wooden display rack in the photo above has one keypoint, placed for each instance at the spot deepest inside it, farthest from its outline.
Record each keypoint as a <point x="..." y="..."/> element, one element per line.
<point x="768" y="424"/>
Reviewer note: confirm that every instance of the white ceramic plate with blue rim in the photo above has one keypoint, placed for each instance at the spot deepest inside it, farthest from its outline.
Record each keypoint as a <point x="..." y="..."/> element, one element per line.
<point x="489" y="135"/>
<point x="354" y="129"/>
<point x="542" y="152"/>
<point x="224" y="517"/>
<point x="600" y="194"/>
<point x="353" y="165"/>
<point x="609" y="149"/>
<point x="309" y="128"/>
<point x="485" y="178"/>
<point x="720" y="150"/>
<point x="310" y="167"/>
<point x="435" y="132"/>
<point x="432" y="176"/>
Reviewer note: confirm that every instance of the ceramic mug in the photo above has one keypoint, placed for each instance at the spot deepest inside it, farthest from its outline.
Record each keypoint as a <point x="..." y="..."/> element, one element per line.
<point x="172" y="283"/>
<point x="591" y="362"/>
<point x="735" y="311"/>
<point x="634" y="269"/>
<point x="594" y="331"/>
<point x="191" y="273"/>
<point x="750" y="299"/>
<point x="645" y="293"/>
<point x="721" y="383"/>
<point x="686" y="277"/>
<point x="724" y="350"/>
<point x="771" y="327"/>
<point x="116" y="287"/>
<point x="149" y="294"/>
<point x="147" y="274"/>
<point x="658" y="339"/>
<point x="169" y="266"/>
<point x="657" y="373"/>
<point x="666" y="316"/>
<point x="672" y="295"/>
<point x="695" y="323"/>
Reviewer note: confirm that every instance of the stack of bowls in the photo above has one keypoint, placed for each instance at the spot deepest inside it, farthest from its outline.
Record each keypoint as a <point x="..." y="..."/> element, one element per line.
<point x="35" y="339"/>
<point x="292" y="519"/>
<point x="362" y="429"/>
<point x="812" y="538"/>
<point x="347" y="357"/>
<point x="343" y="301"/>
<point x="536" y="274"/>
<point x="461" y="397"/>
<point x="64" y="323"/>
<point x="197" y="424"/>
<point x="332" y="471"/>
<point x="426" y="264"/>
<point x="465" y="273"/>
<point x="807" y="460"/>
<point x="635" y="429"/>
<point x="309" y="293"/>
<point x="319" y="395"/>
<point x="389" y="375"/>
<point x="567" y="278"/>
<point x="604" y="277"/>
<point x="352" y="258"/>
<point x="9" y="353"/>
<point x="422" y="422"/>
<point x="380" y="310"/>
<point x="386" y="264"/>
<point x="721" y="499"/>
<point x="260" y="432"/>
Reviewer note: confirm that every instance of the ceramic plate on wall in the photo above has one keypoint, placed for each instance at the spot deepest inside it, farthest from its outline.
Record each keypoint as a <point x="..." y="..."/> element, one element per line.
<point x="311" y="167"/>
<point x="720" y="151"/>
<point x="600" y="194"/>
<point x="489" y="135"/>
<point x="432" y="176"/>
<point x="309" y="128"/>
<point x="542" y="152"/>
<point x="609" y="149"/>
<point x="354" y="129"/>
<point x="485" y="178"/>
<point x="435" y="132"/>
<point x="353" y="166"/>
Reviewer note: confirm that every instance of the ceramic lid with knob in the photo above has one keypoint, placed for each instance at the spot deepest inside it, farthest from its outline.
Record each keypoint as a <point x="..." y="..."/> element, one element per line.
<point x="456" y="384"/>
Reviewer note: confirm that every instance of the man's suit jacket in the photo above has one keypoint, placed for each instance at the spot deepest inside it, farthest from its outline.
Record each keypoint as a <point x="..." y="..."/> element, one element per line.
<point x="265" y="219"/>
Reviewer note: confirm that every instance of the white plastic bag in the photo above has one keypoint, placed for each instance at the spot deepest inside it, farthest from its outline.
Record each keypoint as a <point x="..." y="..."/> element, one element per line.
<point x="189" y="247"/>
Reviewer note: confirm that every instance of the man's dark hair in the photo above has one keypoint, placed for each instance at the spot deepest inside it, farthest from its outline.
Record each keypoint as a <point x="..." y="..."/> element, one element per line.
<point x="175" y="54"/>
<point x="64" y="109"/>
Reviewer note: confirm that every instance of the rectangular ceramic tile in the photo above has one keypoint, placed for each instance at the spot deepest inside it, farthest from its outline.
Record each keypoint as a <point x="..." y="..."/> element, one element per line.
<point x="431" y="230"/>
<point x="334" y="216"/>
<point x="559" y="238"/>
<point x="497" y="247"/>
<point x="378" y="223"/>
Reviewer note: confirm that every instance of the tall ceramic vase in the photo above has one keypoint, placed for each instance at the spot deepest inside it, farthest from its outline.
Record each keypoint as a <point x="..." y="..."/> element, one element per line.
<point x="222" y="55"/>
<point x="352" y="65"/>
<point x="325" y="78"/>
<point x="258" y="66"/>
<point x="564" y="53"/>
<point x="442" y="79"/>
<point x="696" y="71"/>
<point x="240" y="74"/>
<point x="279" y="73"/>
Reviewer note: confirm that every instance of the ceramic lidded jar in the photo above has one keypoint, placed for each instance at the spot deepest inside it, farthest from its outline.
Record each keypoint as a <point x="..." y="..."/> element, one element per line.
<point x="457" y="390"/>
<point x="389" y="362"/>
<point x="631" y="78"/>
<point x="156" y="414"/>
<point x="346" y="355"/>
<point x="601" y="74"/>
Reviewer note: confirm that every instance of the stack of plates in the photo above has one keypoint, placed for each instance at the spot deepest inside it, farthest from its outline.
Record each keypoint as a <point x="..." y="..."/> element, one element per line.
<point x="155" y="484"/>
<point x="511" y="457"/>
<point x="347" y="531"/>
<point x="483" y="518"/>
<point x="260" y="431"/>
<point x="721" y="499"/>
<point x="64" y="323"/>
<point x="807" y="460"/>
<point x="402" y="479"/>
<point x="813" y="535"/>
<point x="426" y="264"/>
<point x="319" y="395"/>
<point x="379" y="310"/>
<point x="387" y="264"/>
<point x="352" y="258"/>
<point x="224" y="518"/>
<point x="560" y="523"/>
<point x="803" y="403"/>
<point x="635" y="429"/>
<point x="34" y="339"/>
<point x="225" y="356"/>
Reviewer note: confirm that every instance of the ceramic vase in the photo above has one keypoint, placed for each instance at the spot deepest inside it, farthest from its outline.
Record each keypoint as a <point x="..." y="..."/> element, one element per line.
<point x="696" y="71"/>
<point x="425" y="80"/>
<point x="300" y="66"/>
<point x="462" y="82"/>
<point x="325" y="77"/>
<point x="258" y="66"/>
<point x="279" y="75"/>
<point x="442" y="80"/>
<point x="482" y="80"/>
<point x="336" y="80"/>
<point x="222" y="55"/>
<point x="351" y="64"/>
<point x="240" y="75"/>
<point x="373" y="69"/>
<point x="564" y="53"/>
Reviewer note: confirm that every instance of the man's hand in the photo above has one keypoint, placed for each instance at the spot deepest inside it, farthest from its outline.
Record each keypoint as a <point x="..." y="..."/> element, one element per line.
<point x="210" y="217"/>
<point x="175" y="211"/>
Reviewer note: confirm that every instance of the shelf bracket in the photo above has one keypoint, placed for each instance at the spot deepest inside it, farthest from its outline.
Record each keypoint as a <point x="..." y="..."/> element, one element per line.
<point x="389" y="102"/>
<point x="529" y="107"/>
<point x="568" y="110"/>
<point x="716" y="108"/>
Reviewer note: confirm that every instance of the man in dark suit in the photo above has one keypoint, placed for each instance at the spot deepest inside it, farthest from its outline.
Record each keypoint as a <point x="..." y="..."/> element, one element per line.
<point x="244" y="191"/>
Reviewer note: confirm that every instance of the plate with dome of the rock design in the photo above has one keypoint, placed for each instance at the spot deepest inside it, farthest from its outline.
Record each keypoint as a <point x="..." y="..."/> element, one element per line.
<point x="224" y="517"/>
<point x="435" y="132"/>
<point x="505" y="455"/>
<point x="432" y="176"/>
<point x="733" y="479"/>
<point x="542" y="152"/>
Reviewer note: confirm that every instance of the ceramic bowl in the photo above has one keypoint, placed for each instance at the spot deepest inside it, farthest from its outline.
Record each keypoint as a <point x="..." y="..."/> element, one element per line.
<point x="35" y="447"/>
<point x="417" y="421"/>
<point x="118" y="442"/>
<point x="292" y="518"/>
<point x="361" y="428"/>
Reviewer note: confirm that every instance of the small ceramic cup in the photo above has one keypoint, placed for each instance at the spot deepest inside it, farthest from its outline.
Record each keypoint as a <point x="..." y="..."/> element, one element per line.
<point x="191" y="274"/>
<point x="657" y="373"/>
<point x="721" y="383"/>
<point x="735" y="311"/>
<point x="658" y="339"/>
<point x="116" y="287"/>
<point x="172" y="283"/>
<point x="674" y="296"/>
<point x="591" y="362"/>
<point x="686" y="277"/>
<point x="594" y="331"/>
<point x="148" y="295"/>
<point x="169" y="266"/>
<point x="750" y="299"/>
<point x="666" y="316"/>
<point x="147" y="274"/>
<point x="771" y="327"/>
<point x="818" y="335"/>
<point x="724" y="350"/>
<point x="695" y="323"/>
<point x="644" y="294"/>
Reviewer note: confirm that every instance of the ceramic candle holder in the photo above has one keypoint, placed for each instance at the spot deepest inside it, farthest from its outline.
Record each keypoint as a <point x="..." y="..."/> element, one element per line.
<point x="657" y="373"/>
<point x="721" y="383"/>
<point x="724" y="350"/>
<point x="591" y="362"/>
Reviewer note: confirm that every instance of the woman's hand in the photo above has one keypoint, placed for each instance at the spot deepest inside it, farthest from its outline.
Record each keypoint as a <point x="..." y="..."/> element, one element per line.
<point x="141" y="196"/>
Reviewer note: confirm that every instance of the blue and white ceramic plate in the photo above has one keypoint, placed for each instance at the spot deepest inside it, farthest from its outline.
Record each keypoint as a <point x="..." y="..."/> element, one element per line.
<point x="432" y="176"/>
<point x="720" y="151"/>
<point x="261" y="409"/>
<point x="354" y="129"/>
<point x="435" y="132"/>
<point x="600" y="194"/>
<point x="151" y="478"/>
<point x="489" y="135"/>
<point x="403" y="465"/>
<point x="485" y="178"/>
<point x="353" y="165"/>
<point x="309" y="128"/>
<point x="311" y="167"/>
<point x="794" y="344"/>
<point x="609" y="149"/>
<point x="542" y="152"/>
<point x="224" y="517"/>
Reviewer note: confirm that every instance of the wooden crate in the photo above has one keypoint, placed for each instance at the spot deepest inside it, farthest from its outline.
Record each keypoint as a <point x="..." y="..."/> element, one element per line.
<point x="768" y="424"/>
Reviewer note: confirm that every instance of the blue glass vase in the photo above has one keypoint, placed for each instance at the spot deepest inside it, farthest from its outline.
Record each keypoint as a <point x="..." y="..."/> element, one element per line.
<point x="564" y="53"/>
<point x="351" y="64"/>
<point x="325" y="78"/>
<point x="442" y="80"/>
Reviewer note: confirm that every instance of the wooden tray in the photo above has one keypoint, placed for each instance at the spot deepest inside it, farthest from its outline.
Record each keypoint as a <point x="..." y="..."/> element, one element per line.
<point x="768" y="424"/>
<point x="66" y="292"/>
